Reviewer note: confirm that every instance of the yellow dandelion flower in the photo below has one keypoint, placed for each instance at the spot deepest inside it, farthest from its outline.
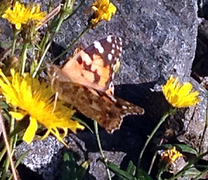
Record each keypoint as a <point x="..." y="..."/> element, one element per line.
<point x="20" y="14"/>
<point x="180" y="95"/>
<point x="34" y="98"/>
<point x="170" y="155"/>
<point x="103" y="10"/>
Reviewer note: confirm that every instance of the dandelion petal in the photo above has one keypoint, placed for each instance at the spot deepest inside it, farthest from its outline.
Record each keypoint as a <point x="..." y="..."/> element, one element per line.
<point x="30" y="132"/>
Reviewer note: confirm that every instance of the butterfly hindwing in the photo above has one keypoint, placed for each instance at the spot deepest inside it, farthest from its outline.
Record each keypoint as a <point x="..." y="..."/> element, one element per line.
<point x="107" y="110"/>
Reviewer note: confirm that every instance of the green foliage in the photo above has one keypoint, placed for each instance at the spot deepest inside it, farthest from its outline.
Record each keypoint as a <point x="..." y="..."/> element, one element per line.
<point x="70" y="169"/>
<point x="181" y="147"/>
<point x="132" y="172"/>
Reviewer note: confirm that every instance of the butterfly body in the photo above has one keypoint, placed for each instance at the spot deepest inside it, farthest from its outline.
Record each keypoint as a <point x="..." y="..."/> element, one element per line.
<point x="85" y="82"/>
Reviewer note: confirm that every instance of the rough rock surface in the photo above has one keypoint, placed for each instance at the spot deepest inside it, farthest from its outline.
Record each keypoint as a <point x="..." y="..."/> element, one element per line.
<point x="159" y="37"/>
<point x="46" y="157"/>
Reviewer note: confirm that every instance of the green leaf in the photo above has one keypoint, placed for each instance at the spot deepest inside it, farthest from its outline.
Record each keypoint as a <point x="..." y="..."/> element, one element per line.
<point x="123" y="174"/>
<point x="191" y="172"/>
<point x="5" y="110"/>
<point x="181" y="147"/>
<point x="33" y="66"/>
<point x="70" y="169"/>
<point x="131" y="169"/>
<point x="143" y="175"/>
<point x="186" y="148"/>
<point x="130" y="173"/>
<point x="3" y="105"/>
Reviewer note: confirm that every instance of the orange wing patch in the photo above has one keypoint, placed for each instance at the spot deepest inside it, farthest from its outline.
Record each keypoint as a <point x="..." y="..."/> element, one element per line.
<point x="82" y="70"/>
<point x="95" y="66"/>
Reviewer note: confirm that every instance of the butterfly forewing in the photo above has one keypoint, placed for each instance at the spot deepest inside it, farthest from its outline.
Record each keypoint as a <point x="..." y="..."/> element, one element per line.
<point x="109" y="49"/>
<point x="95" y="66"/>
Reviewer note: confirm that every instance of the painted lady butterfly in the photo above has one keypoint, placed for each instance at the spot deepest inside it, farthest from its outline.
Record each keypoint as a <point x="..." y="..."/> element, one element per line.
<point x="85" y="81"/>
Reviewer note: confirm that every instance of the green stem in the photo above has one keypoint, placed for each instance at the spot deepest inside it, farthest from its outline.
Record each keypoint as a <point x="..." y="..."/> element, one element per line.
<point x="73" y="43"/>
<point x="154" y="158"/>
<point x="2" y="153"/>
<point x="9" y="147"/>
<point x="171" y="111"/>
<point x="74" y="12"/>
<point x="14" y="42"/>
<point x="41" y="59"/>
<point x="69" y="47"/>
<point x="66" y="10"/>
<point x="100" y="149"/>
<point x="161" y="170"/>
<point x="47" y="47"/>
<point x="23" y="58"/>
<point x="6" y="169"/>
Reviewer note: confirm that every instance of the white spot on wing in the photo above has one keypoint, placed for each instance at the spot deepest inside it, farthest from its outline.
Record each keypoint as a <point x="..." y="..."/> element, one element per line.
<point x="112" y="51"/>
<point x="113" y="98"/>
<point x="112" y="90"/>
<point x="98" y="46"/>
<point x="86" y="58"/>
<point x="113" y="74"/>
<point x="109" y="39"/>
<point x="114" y="67"/>
<point x="124" y="107"/>
<point x="113" y="45"/>
<point x="117" y="59"/>
<point x="111" y="85"/>
<point x="110" y="57"/>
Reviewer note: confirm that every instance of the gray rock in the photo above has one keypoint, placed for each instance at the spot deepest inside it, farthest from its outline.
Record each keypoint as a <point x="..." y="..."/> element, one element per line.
<point x="40" y="153"/>
<point x="159" y="37"/>
<point x="45" y="157"/>
<point x="97" y="167"/>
